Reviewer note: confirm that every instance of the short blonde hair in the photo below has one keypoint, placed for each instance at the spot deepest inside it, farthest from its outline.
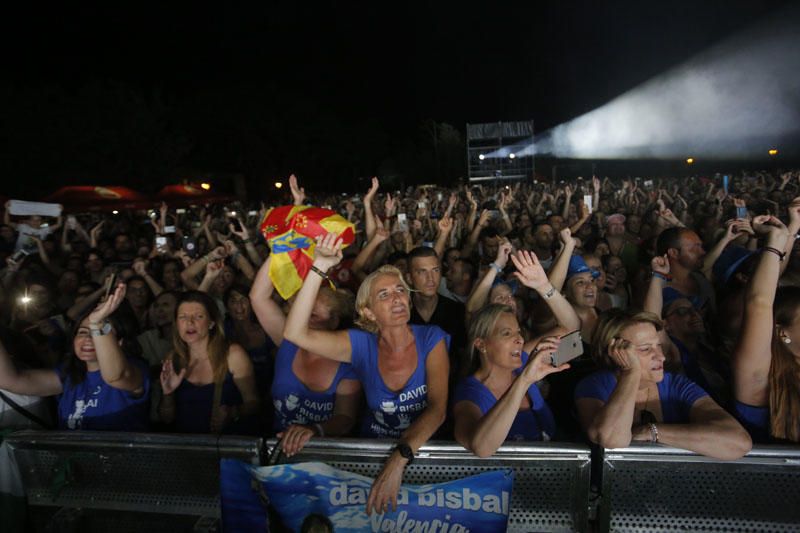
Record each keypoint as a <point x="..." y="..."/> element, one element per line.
<point x="481" y="327"/>
<point x="365" y="292"/>
<point x="610" y="325"/>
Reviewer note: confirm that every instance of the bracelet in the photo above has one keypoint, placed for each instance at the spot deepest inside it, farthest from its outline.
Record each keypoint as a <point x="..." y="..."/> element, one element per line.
<point x="320" y="431"/>
<point x="653" y="433"/>
<point x="496" y="267"/>
<point x="659" y="275"/>
<point x="550" y="292"/>
<point x="324" y="276"/>
<point x="770" y="249"/>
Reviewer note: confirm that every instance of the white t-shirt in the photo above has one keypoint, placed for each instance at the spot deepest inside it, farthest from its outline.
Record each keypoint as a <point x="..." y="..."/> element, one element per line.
<point x="24" y="241"/>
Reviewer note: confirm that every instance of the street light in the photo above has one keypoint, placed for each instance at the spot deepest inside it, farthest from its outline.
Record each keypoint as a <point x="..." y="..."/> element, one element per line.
<point x="689" y="161"/>
<point x="773" y="152"/>
<point x="278" y="184"/>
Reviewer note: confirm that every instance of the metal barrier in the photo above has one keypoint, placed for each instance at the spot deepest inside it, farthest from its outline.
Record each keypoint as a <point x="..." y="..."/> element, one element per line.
<point x="167" y="480"/>
<point x="551" y="480"/>
<point x="655" y="488"/>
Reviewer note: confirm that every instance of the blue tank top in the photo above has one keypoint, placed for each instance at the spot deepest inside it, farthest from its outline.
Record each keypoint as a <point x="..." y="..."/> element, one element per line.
<point x="390" y="413"/>
<point x="94" y="404"/>
<point x="530" y="424"/>
<point x="294" y="402"/>
<point x="193" y="404"/>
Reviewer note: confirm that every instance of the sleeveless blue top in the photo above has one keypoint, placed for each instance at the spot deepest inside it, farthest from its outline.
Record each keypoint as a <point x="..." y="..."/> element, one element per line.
<point x="294" y="402"/>
<point x="536" y="423"/>
<point x="193" y="404"/>
<point x="94" y="404"/>
<point x="389" y="413"/>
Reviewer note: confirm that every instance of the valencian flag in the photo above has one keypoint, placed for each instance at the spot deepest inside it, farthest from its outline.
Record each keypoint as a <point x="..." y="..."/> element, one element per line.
<point x="290" y="232"/>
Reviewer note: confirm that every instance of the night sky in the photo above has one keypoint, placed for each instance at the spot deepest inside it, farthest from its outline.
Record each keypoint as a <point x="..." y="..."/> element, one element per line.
<point x="322" y="89"/>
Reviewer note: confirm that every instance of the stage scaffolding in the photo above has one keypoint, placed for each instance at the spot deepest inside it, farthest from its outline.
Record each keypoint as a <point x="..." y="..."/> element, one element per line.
<point x="500" y="139"/>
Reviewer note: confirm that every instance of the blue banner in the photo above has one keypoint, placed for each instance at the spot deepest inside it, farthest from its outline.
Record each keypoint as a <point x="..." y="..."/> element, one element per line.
<point x="253" y="497"/>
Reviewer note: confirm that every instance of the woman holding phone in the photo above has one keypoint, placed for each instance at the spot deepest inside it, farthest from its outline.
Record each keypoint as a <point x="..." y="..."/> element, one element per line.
<point x="500" y="401"/>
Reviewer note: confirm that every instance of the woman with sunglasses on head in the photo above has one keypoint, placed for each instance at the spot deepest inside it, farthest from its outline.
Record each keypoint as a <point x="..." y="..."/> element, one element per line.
<point x="634" y="399"/>
<point x="99" y="386"/>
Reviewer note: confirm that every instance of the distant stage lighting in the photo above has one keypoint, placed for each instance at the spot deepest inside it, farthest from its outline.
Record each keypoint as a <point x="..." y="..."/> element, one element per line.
<point x="690" y="161"/>
<point x="205" y="186"/>
<point x="511" y="155"/>
<point x="729" y="101"/>
<point x="278" y="184"/>
<point x="481" y="157"/>
<point x="773" y="152"/>
<point x="115" y="212"/>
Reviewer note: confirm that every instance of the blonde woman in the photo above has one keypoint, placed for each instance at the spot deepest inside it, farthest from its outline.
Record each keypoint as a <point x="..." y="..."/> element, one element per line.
<point x="208" y="383"/>
<point x="634" y="399"/>
<point x="403" y="368"/>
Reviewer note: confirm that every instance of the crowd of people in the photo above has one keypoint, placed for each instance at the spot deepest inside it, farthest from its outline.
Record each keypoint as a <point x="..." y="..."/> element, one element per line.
<point x="442" y="320"/>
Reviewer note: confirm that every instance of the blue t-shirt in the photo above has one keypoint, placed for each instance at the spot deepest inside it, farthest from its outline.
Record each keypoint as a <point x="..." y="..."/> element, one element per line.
<point x="677" y="393"/>
<point x="193" y="404"/>
<point x="94" y="404"/>
<point x="389" y="413"/>
<point x="754" y="419"/>
<point x="294" y="402"/>
<point x="529" y="424"/>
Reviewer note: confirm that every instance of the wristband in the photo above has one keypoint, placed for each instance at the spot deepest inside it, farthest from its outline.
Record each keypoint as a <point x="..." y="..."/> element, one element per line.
<point x="659" y="275"/>
<point x="550" y="292"/>
<point x="496" y="267"/>
<point x="770" y="249"/>
<point x="405" y="451"/>
<point x="324" y="276"/>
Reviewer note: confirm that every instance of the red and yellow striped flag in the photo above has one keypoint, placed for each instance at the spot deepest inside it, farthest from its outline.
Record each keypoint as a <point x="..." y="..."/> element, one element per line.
<point x="290" y="232"/>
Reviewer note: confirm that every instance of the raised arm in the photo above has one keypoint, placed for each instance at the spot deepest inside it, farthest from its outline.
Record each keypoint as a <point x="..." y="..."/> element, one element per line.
<point x="369" y="217"/>
<point x="531" y="274"/>
<point x="269" y="313"/>
<point x="331" y="344"/>
<point x="484" y="434"/>
<point x="558" y="272"/>
<point x="445" y="225"/>
<point x="654" y="299"/>
<point x="733" y="228"/>
<point x="481" y="291"/>
<point x="753" y="354"/>
<point x="368" y="251"/>
<point x="115" y="369"/>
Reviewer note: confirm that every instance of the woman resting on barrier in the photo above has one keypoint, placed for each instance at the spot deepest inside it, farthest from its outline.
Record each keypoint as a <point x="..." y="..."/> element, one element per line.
<point x="403" y="368"/>
<point x="634" y="399"/>
<point x="208" y="383"/>
<point x="99" y="387"/>
<point x="766" y="361"/>
<point x="312" y="395"/>
<point x="501" y="400"/>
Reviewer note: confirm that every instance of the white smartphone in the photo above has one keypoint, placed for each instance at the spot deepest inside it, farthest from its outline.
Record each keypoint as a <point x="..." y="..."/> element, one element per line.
<point x="169" y="229"/>
<point x="571" y="347"/>
<point x="587" y="201"/>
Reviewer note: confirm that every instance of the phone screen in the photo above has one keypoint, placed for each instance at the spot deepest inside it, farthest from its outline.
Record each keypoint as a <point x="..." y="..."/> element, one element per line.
<point x="109" y="284"/>
<point x="741" y="212"/>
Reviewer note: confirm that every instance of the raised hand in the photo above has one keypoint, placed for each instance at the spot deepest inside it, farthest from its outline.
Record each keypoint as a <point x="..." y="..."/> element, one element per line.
<point x="298" y="193"/>
<point x="105" y="308"/>
<point x="389" y="205"/>
<point x="529" y="270"/>
<point x="243" y="234"/>
<point x="483" y="220"/>
<point x="445" y="224"/>
<point x="328" y="251"/>
<point x="170" y="380"/>
<point x="565" y="236"/>
<point x="503" y="252"/>
<point x="372" y="191"/>
<point x="140" y="267"/>
<point x="659" y="265"/>
<point x="213" y="268"/>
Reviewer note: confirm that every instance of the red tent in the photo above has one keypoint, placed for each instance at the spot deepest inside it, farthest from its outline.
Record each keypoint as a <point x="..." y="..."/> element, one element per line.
<point x="190" y="194"/>
<point x="81" y="198"/>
